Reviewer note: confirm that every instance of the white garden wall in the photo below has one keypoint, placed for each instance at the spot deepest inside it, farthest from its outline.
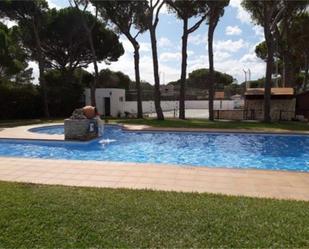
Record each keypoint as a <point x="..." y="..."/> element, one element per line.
<point x="118" y="106"/>
<point x="148" y="106"/>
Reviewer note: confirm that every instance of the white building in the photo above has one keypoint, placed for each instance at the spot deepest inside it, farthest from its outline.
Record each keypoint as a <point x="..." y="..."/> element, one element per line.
<point x="110" y="101"/>
<point x="239" y="101"/>
<point x="167" y="90"/>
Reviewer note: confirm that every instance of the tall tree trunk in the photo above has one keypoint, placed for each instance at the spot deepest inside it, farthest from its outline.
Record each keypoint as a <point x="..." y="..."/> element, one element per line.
<point x="283" y="72"/>
<point x="41" y="62"/>
<point x="138" y="81"/>
<point x="182" y="97"/>
<point x="93" y="84"/>
<point x="306" y="73"/>
<point x="157" y="94"/>
<point x="289" y="77"/>
<point x="43" y="86"/>
<point x="269" y="68"/>
<point x="289" y="74"/>
<point x="211" y="84"/>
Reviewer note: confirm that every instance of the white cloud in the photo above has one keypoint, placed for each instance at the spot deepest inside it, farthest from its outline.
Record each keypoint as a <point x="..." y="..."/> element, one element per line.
<point x="233" y="30"/>
<point x="164" y="42"/>
<point x="164" y="10"/>
<point x="224" y="62"/>
<point x="52" y="4"/>
<point x="35" y="71"/>
<point x="128" y="47"/>
<point x="8" y="22"/>
<point x="259" y="32"/>
<point x="190" y="52"/>
<point x="250" y="58"/>
<point x="220" y="55"/>
<point x="91" y="9"/>
<point x="125" y="64"/>
<point x="145" y="46"/>
<point x="242" y="14"/>
<point x="229" y="45"/>
<point x="170" y="56"/>
<point x="196" y="39"/>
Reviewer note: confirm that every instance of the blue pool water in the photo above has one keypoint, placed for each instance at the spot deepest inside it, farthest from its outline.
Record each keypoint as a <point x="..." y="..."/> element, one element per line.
<point x="280" y="152"/>
<point x="51" y="130"/>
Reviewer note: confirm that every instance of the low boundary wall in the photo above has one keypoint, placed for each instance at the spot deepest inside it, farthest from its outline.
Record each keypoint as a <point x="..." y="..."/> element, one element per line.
<point x="149" y="107"/>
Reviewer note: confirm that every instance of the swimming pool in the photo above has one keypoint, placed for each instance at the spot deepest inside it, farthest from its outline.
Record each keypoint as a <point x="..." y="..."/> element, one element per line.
<point x="51" y="130"/>
<point x="231" y="150"/>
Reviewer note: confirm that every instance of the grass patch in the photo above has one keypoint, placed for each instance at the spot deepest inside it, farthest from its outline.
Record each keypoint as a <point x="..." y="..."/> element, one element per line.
<point x="20" y="122"/>
<point x="67" y="217"/>
<point x="188" y="123"/>
<point x="204" y="123"/>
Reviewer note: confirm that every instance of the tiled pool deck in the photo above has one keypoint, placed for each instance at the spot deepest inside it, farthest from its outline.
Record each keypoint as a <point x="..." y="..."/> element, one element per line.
<point x="255" y="183"/>
<point x="22" y="132"/>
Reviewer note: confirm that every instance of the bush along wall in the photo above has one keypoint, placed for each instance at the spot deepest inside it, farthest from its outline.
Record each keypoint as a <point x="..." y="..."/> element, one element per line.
<point x="19" y="101"/>
<point x="65" y="92"/>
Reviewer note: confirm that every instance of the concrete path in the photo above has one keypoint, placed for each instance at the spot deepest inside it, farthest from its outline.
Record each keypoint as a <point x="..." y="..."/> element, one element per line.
<point x="254" y="183"/>
<point x="23" y="132"/>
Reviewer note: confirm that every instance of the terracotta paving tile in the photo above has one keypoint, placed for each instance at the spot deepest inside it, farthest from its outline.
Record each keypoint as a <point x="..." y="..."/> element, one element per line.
<point x="105" y="184"/>
<point x="103" y="178"/>
<point x="129" y="179"/>
<point x="6" y="171"/>
<point x="147" y="180"/>
<point x="256" y="183"/>
<point x="167" y="181"/>
<point x="7" y="178"/>
<point x="136" y="173"/>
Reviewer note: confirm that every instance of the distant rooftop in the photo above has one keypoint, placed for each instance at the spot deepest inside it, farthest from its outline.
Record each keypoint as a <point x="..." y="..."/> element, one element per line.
<point x="274" y="91"/>
<point x="236" y="96"/>
<point x="219" y="95"/>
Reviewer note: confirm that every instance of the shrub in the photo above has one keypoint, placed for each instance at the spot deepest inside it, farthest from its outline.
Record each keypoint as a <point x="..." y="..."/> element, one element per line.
<point x="20" y="101"/>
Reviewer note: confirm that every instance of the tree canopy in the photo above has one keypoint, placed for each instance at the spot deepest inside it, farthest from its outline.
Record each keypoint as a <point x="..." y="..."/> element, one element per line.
<point x="124" y="15"/>
<point x="111" y="79"/>
<point x="66" y="44"/>
<point x="66" y="95"/>
<point x="188" y="9"/>
<point x="200" y="78"/>
<point x="298" y="49"/>
<point x="13" y="58"/>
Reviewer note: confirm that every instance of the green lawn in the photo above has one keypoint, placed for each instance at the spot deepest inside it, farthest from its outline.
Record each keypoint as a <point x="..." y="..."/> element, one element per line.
<point x="19" y="122"/>
<point x="203" y="123"/>
<point x="66" y="217"/>
<point x="189" y="123"/>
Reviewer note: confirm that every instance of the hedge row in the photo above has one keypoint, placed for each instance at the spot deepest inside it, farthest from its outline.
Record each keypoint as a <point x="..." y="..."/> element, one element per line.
<point x="20" y="101"/>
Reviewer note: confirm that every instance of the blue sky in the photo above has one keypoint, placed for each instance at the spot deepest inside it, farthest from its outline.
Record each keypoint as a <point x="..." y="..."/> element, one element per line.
<point x="234" y="42"/>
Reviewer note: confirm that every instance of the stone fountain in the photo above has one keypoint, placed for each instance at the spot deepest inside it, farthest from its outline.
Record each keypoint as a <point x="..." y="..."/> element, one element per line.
<point x="82" y="125"/>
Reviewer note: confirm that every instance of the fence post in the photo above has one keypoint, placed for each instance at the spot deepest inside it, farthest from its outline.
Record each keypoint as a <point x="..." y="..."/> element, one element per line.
<point x="252" y="114"/>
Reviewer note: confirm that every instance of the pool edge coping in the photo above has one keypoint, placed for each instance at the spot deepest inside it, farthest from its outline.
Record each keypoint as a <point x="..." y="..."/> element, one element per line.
<point x="132" y="127"/>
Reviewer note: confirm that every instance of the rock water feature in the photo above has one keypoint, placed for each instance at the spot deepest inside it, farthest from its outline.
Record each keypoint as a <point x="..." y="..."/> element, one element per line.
<point x="82" y="125"/>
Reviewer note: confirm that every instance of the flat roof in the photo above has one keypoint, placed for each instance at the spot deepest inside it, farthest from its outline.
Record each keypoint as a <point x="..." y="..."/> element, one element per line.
<point x="219" y="95"/>
<point x="274" y="91"/>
